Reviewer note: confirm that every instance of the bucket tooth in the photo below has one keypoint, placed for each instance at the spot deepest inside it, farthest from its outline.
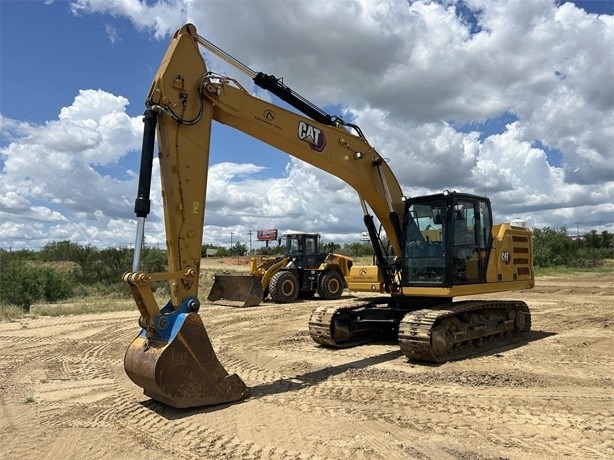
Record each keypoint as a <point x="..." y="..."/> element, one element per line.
<point x="178" y="366"/>
<point x="236" y="290"/>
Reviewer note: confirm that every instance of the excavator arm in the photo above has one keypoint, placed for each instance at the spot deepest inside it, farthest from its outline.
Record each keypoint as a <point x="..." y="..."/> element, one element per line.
<point x="172" y="358"/>
<point x="183" y="100"/>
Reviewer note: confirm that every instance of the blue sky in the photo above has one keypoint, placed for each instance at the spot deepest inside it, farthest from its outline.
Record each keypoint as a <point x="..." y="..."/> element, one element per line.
<point x="510" y="99"/>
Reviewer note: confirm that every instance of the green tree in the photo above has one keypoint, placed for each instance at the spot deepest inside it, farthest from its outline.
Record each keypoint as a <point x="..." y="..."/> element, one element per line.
<point x="153" y="260"/>
<point x="109" y="266"/>
<point x="358" y="249"/>
<point x="57" y="284"/>
<point x="552" y="247"/>
<point x="592" y="239"/>
<point x="58" y="251"/>
<point x="239" y="249"/>
<point x="607" y="242"/>
<point x="330" y="247"/>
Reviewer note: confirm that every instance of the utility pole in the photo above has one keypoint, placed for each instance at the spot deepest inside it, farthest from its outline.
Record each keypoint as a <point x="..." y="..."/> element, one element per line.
<point x="250" y="241"/>
<point x="231" y="233"/>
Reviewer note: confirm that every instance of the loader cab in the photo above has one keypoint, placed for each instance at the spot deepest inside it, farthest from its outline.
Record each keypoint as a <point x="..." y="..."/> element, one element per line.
<point x="447" y="239"/>
<point x="302" y="248"/>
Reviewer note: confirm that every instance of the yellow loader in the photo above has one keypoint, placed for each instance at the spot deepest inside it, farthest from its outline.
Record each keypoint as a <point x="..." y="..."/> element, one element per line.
<point x="301" y="272"/>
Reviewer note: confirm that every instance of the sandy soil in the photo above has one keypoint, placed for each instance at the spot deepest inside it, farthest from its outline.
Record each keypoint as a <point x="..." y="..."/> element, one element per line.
<point x="64" y="393"/>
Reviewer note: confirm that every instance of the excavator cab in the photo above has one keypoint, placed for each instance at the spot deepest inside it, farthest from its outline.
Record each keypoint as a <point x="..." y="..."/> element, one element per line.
<point x="448" y="242"/>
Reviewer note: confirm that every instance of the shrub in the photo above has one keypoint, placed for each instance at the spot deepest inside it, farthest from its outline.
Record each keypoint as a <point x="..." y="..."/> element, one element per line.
<point x="22" y="284"/>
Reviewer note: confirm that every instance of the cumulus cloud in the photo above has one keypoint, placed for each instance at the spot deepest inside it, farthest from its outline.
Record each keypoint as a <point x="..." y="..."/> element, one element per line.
<point x="49" y="171"/>
<point x="160" y="18"/>
<point x="427" y="81"/>
<point x="304" y="199"/>
<point x="412" y="74"/>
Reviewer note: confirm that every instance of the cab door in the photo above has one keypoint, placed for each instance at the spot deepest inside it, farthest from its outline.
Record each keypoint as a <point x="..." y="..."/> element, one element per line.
<point x="472" y="223"/>
<point x="310" y="252"/>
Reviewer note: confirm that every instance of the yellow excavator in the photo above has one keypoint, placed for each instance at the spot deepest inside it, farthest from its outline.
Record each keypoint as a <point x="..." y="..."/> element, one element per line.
<point x="301" y="272"/>
<point x="442" y="246"/>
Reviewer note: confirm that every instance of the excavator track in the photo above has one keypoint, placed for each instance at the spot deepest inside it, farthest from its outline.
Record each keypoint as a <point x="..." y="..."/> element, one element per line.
<point x="341" y="326"/>
<point x="460" y="329"/>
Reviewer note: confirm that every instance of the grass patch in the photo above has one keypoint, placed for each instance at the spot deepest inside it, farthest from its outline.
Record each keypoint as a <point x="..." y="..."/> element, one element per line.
<point x="82" y="308"/>
<point x="606" y="266"/>
<point x="9" y="312"/>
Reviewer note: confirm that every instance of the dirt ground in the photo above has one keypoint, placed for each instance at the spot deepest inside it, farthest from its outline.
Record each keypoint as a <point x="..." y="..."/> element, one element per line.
<point x="64" y="393"/>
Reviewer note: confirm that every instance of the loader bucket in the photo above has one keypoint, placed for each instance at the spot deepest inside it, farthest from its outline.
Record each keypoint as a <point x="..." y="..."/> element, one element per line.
<point x="177" y="365"/>
<point x="236" y="290"/>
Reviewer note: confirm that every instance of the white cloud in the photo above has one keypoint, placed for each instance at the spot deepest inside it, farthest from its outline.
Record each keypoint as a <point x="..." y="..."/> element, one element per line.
<point x="419" y="63"/>
<point x="408" y="73"/>
<point x="161" y="17"/>
<point x="49" y="173"/>
<point x="304" y="199"/>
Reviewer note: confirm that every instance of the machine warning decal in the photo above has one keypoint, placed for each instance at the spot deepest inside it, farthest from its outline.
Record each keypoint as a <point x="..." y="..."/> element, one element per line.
<point x="505" y="257"/>
<point x="312" y="135"/>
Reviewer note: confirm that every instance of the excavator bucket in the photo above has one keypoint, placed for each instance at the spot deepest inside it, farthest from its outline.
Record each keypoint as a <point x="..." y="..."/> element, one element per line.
<point x="178" y="367"/>
<point x="236" y="290"/>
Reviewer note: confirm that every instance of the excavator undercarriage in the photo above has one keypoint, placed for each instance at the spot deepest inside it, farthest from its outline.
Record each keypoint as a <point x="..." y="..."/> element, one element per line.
<point x="443" y="332"/>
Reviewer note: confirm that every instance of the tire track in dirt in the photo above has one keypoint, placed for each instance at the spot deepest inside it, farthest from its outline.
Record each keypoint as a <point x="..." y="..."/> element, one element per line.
<point x="398" y="398"/>
<point x="497" y="406"/>
<point x="97" y="401"/>
<point x="197" y="440"/>
<point x="392" y="402"/>
<point x="551" y="399"/>
<point x="324" y="396"/>
<point x="335" y="398"/>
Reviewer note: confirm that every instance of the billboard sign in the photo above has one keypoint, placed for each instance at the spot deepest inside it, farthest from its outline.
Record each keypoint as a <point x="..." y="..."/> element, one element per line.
<point x="266" y="235"/>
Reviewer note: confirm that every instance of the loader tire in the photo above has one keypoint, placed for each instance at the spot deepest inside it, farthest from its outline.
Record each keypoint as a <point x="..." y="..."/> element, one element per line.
<point x="330" y="285"/>
<point x="283" y="287"/>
